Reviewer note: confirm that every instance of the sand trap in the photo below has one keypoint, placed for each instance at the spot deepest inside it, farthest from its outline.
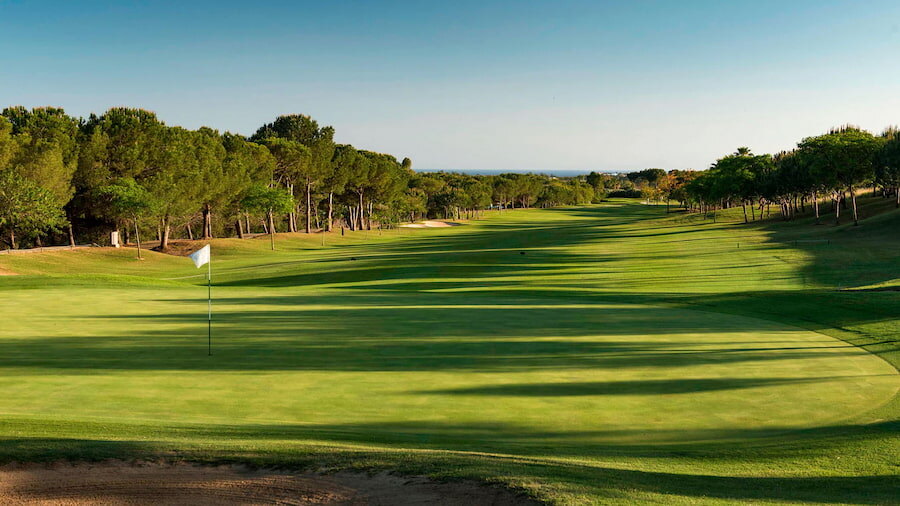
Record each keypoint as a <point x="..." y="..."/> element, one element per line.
<point x="185" y="484"/>
<point x="431" y="224"/>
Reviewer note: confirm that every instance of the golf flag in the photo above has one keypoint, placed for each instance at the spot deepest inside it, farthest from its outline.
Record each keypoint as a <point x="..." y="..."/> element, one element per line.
<point x="201" y="256"/>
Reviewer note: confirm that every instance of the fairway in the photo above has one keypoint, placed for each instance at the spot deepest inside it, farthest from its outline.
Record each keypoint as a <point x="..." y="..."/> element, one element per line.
<point x="589" y="354"/>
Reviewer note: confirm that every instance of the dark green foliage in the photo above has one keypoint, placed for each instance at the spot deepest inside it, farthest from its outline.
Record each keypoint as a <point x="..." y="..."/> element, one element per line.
<point x="838" y="164"/>
<point x="26" y="207"/>
<point x="266" y="199"/>
<point x="887" y="163"/>
<point x="649" y="175"/>
<point x="127" y="201"/>
<point x="203" y="177"/>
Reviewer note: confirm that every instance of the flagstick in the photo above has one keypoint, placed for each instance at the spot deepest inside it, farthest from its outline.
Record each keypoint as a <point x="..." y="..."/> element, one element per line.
<point x="209" y="306"/>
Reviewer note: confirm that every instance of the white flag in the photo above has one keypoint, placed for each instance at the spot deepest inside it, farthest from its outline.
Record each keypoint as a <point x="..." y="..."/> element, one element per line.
<point x="201" y="256"/>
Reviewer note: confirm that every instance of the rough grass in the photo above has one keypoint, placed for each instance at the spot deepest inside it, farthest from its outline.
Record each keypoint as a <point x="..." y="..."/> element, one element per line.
<point x="596" y="354"/>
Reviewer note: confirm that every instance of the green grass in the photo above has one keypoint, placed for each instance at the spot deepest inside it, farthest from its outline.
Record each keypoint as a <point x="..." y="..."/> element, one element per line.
<point x="627" y="356"/>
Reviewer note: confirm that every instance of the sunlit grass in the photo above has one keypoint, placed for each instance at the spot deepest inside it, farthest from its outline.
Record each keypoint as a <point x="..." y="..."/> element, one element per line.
<point x="600" y="354"/>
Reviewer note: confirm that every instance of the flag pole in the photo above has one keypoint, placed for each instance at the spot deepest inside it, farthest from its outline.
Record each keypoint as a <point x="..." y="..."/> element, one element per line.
<point x="209" y="307"/>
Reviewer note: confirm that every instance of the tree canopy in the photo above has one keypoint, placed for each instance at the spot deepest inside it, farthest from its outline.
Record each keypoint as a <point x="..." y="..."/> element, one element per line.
<point x="832" y="165"/>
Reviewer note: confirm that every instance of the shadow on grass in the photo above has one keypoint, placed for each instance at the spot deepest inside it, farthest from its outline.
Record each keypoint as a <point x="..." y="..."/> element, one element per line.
<point x="599" y="480"/>
<point x="640" y="387"/>
<point x="818" y="489"/>
<point x="402" y="327"/>
<point x="757" y="444"/>
<point x="38" y="449"/>
<point x="420" y="337"/>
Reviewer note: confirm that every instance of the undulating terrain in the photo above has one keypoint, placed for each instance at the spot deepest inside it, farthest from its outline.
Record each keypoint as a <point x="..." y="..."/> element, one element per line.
<point x="590" y="354"/>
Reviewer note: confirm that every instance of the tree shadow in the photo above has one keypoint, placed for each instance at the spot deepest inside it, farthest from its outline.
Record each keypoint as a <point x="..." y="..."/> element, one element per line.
<point x="636" y="387"/>
<point x="500" y="326"/>
<point x="43" y="449"/>
<point x="504" y="332"/>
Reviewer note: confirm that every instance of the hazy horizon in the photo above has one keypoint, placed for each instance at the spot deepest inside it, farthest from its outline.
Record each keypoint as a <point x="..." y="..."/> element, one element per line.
<point x="551" y="172"/>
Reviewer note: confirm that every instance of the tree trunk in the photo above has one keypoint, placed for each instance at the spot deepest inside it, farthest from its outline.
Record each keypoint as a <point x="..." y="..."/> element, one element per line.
<point x="137" y="237"/>
<point x="897" y="192"/>
<point x="815" y="202"/>
<point x="837" y="210"/>
<point x="744" y="207"/>
<point x="12" y="237"/>
<point x="238" y="229"/>
<point x="71" y="235"/>
<point x="360" y="215"/>
<point x="271" y="229"/>
<point x="164" y="242"/>
<point x="292" y="217"/>
<point x="308" y="205"/>
<point x="247" y="222"/>
<point x="207" y="222"/>
<point x="853" y="200"/>
<point x="190" y="231"/>
<point x="330" y="223"/>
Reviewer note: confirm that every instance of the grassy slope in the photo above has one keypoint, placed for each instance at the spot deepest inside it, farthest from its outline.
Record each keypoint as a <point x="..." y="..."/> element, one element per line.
<point x="627" y="355"/>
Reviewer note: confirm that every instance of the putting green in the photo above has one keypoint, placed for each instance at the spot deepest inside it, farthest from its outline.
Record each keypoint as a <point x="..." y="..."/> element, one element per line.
<point x="486" y="372"/>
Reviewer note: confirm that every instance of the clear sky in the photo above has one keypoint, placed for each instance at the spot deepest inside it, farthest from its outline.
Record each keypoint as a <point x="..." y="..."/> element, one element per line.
<point x="517" y="85"/>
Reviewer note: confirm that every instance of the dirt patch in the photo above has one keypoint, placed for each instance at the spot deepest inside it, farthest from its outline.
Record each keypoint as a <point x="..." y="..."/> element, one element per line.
<point x="6" y="272"/>
<point x="185" y="484"/>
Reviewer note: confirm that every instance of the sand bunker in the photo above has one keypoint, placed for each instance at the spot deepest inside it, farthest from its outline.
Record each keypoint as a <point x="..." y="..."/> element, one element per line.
<point x="431" y="224"/>
<point x="184" y="484"/>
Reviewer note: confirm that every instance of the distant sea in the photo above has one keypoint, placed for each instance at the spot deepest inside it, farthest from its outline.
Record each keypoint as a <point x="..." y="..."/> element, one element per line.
<point x="552" y="172"/>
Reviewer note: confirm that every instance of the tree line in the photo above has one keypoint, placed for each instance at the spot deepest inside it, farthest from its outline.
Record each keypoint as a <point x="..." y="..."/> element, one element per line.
<point x="832" y="167"/>
<point x="68" y="178"/>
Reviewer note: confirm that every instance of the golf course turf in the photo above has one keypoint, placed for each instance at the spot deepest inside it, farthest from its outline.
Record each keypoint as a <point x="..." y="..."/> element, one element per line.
<point x="609" y="353"/>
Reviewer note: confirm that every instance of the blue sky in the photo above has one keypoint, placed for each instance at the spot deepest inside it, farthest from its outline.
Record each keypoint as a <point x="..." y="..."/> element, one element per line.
<point x="475" y="84"/>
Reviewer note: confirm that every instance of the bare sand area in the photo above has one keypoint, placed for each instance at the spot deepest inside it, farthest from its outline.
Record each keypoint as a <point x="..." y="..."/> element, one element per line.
<point x="431" y="224"/>
<point x="143" y="483"/>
